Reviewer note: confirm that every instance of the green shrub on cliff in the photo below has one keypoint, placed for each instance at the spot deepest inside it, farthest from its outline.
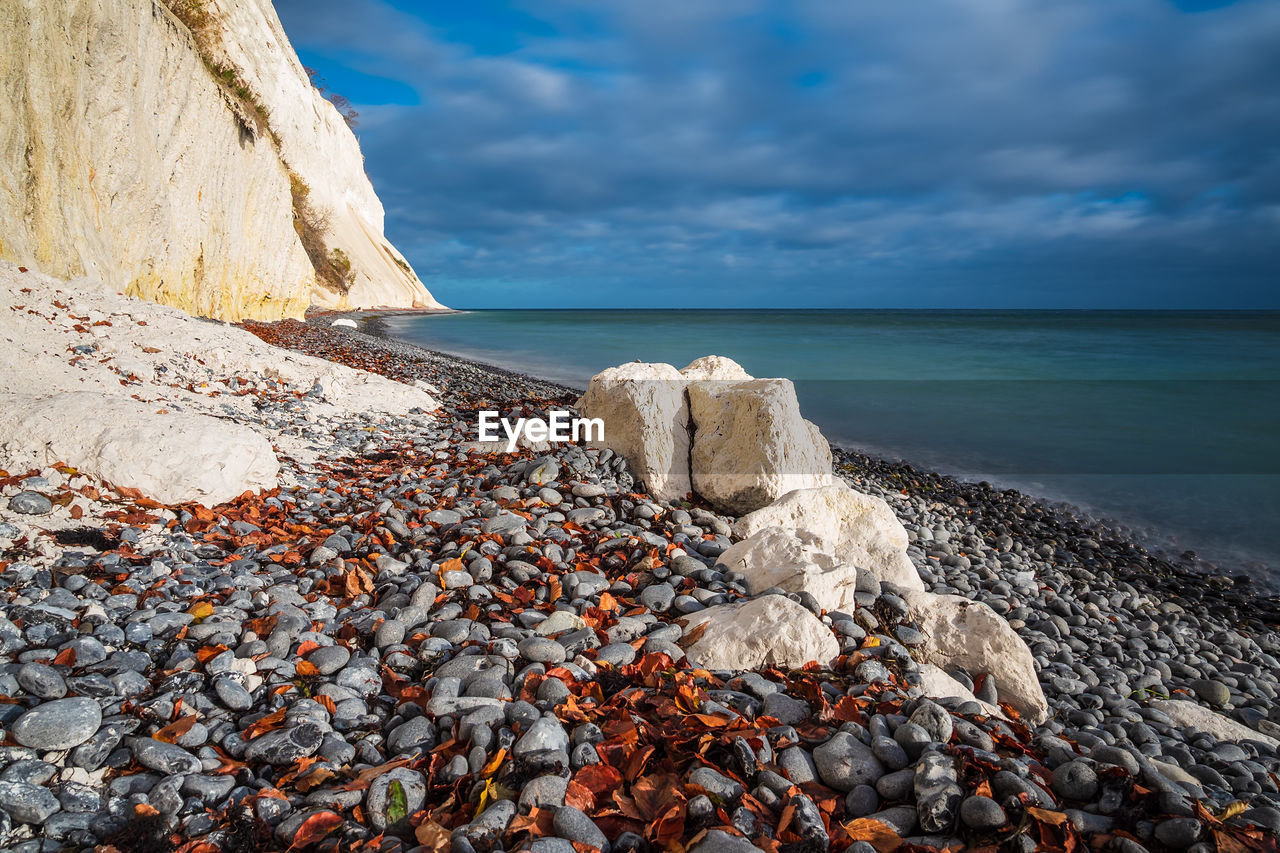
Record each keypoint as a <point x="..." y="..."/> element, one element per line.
<point x="332" y="267"/>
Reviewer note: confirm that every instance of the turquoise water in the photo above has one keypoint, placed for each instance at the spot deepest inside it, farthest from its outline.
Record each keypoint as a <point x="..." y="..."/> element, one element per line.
<point x="1166" y="421"/>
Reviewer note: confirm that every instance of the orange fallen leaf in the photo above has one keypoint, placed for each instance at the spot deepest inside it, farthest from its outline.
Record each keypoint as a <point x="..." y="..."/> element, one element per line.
<point x="1047" y="816"/>
<point x="201" y="610"/>
<point x="494" y="764"/>
<point x="874" y="833"/>
<point x="175" y="730"/>
<point x="268" y="723"/>
<point x="432" y="836"/>
<point x="315" y="828"/>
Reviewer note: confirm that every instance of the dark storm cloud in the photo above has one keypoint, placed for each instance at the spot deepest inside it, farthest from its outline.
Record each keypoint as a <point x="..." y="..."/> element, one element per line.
<point x="1004" y="152"/>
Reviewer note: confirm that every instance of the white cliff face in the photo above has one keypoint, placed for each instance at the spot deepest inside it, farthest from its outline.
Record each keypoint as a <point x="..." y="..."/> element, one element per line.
<point x="123" y="159"/>
<point x="316" y="144"/>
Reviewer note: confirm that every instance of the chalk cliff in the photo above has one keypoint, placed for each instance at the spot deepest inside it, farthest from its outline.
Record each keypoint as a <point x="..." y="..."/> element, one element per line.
<point x="185" y="158"/>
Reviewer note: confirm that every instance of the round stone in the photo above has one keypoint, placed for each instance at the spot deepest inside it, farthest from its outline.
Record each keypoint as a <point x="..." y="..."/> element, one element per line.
<point x="410" y="783"/>
<point x="329" y="659"/>
<point x="27" y="803"/>
<point x="541" y="650"/>
<point x="60" y="724"/>
<point x="285" y="746"/>
<point x="1214" y="692"/>
<point x="573" y="825"/>
<point x="1179" y="833"/>
<point x="658" y="597"/>
<point x="232" y="694"/>
<point x="935" y="720"/>
<point x="164" y="757"/>
<point x="982" y="814"/>
<point x="30" y="503"/>
<point x="719" y="787"/>
<point x="1075" y="780"/>
<point x="418" y="733"/>
<point x="42" y="680"/>
<point x="844" y="762"/>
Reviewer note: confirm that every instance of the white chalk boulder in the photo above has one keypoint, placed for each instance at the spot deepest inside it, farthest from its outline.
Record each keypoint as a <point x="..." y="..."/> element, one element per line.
<point x="967" y="634"/>
<point x="714" y="367"/>
<point x="750" y="445"/>
<point x="646" y="421"/>
<point x="344" y="323"/>
<point x="857" y="528"/>
<point x="172" y="458"/>
<point x="1192" y="715"/>
<point x="768" y="631"/>
<point x="795" y="562"/>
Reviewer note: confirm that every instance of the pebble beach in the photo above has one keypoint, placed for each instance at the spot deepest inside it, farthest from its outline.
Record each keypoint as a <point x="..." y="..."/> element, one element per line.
<point x="416" y="644"/>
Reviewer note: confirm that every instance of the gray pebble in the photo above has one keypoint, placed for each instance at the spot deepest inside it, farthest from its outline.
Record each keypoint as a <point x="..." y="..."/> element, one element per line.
<point x="61" y="724"/>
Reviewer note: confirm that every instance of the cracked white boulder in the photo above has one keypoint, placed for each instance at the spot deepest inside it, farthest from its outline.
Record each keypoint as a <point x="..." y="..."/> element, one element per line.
<point x="970" y="635"/>
<point x="710" y="428"/>
<point x="855" y="528"/>
<point x="750" y="445"/>
<point x="646" y="421"/>
<point x="795" y="562"/>
<point x="768" y="631"/>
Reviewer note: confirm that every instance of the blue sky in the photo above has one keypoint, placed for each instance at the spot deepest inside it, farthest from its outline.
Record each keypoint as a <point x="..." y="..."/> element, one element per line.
<point x="758" y="153"/>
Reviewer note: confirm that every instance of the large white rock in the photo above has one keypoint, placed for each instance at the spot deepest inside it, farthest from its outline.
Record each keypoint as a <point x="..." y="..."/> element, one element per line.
<point x="857" y="528"/>
<point x="646" y="420"/>
<point x="769" y="631"/>
<point x="1190" y="714"/>
<point x="171" y="458"/>
<point x="750" y="445"/>
<point x="713" y="367"/>
<point x="970" y="635"/>
<point x="795" y="562"/>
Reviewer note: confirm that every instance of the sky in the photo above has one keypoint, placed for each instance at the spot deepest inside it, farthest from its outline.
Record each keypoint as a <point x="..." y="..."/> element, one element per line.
<point x="818" y="153"/>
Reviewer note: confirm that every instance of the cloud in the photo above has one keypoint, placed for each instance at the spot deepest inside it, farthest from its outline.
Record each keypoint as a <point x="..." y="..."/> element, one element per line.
<point x="741" y="151"/>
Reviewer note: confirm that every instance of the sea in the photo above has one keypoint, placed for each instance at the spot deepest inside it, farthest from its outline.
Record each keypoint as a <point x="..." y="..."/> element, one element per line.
<point x="1167" y="422"/>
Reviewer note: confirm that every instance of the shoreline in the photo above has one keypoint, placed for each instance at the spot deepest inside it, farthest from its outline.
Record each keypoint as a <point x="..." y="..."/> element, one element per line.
<point x="408" y="637"/>
<point x="1153" y="541"/>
